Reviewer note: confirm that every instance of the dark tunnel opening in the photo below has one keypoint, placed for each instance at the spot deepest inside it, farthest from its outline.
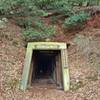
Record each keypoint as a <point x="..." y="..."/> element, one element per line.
<point x="44" y="67"/>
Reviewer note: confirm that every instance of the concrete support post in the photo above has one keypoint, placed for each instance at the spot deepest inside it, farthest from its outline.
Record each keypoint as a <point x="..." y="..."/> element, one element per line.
<point x="26" y="69"/>
<point x="65" y="70"/>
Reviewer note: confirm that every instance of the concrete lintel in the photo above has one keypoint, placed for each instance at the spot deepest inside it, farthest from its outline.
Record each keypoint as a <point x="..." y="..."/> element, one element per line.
<point x="47" y="45"/>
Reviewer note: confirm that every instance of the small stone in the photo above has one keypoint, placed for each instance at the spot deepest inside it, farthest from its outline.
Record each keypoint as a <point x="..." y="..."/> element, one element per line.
<point x="77" y="81"/>
<point x="2" y="24"/>
<point x="47" y="39"/>
<point x="5" y="20"/>
<point x="11" y="12"/>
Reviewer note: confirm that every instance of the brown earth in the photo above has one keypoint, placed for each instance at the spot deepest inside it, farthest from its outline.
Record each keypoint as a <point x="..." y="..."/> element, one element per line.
<point x="84" y="64"/>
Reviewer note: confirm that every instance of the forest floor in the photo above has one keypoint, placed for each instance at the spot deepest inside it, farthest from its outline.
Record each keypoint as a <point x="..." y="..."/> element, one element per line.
<point x="84" y="64"/>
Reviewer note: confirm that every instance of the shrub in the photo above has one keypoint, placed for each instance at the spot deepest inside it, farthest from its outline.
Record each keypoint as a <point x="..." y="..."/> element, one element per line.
<point x="39" y="32"/>
<point x="31" y="11"/>
<point x="77" y="19"/>
<point x="25" y="22"/>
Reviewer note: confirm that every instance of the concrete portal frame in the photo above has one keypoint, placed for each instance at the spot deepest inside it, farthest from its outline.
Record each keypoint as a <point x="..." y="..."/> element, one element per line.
<point x="46" y="46"/>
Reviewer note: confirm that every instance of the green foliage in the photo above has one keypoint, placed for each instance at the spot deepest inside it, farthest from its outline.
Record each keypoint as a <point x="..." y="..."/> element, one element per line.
<point x="77" y="19"/>
<point x="31" y="11"/>
<point x="63" y="7"/>
<point x="39" y="32"/>
<point x="25" y="22"/>
<point x="82" y="2"/>
<point x="33" y="6"/>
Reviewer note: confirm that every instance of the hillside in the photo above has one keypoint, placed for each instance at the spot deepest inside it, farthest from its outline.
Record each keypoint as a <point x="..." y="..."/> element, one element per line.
<point x="84" y="64"/>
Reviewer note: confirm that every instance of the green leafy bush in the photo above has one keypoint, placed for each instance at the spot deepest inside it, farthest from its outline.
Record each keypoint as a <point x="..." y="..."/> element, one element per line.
<point x="77" y="19"/>
<point x="31" y="11"/>
<point x="33" y="6"/>
<point x="25" y="22"/>
<point x="39" y="32"/>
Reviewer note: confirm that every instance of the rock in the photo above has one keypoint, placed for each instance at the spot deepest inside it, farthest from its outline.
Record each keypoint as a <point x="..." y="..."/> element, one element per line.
<point x="47" y="39"/>
<point x="5" y="20"/>
<point x="2" y="24"/>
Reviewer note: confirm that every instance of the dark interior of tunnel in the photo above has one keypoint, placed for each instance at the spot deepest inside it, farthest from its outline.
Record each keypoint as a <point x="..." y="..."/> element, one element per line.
<point x="44" y="64"/>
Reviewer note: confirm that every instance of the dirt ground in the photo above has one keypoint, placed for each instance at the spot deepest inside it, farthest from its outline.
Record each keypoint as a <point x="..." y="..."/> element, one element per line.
<point x="84" y="64"/>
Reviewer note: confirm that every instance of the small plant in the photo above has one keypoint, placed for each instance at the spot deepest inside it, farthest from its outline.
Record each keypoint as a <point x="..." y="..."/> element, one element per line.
<point x="77" y="19"/>
<point x="39" y="32"/>
<point x="79" y="84"/>
<point x="24" y="22"/>
<point x="13" y="83"/>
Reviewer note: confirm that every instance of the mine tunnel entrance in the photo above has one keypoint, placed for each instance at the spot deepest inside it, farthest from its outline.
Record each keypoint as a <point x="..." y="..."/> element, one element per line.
<point x="46" y="62"/>
<point x="46" y="67"/>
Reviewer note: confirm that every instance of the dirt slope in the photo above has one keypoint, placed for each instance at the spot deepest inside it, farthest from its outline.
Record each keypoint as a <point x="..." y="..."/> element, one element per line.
<point x="84" y="63"/>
